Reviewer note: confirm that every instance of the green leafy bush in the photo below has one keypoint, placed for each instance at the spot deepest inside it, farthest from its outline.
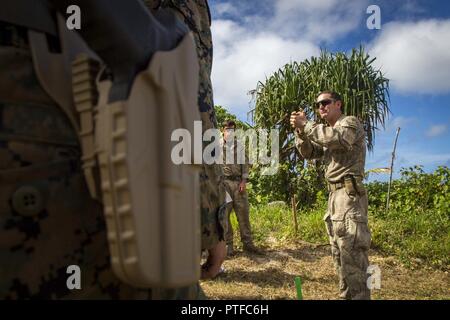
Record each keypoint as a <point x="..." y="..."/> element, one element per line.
<point x="416" y="228"/>
<point x="417" y="224"/>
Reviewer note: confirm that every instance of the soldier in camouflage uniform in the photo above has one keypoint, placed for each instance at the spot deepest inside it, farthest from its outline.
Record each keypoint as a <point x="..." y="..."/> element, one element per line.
<point x="235" y="179"/>
<point x="342" y="145"/>
<point x="196" y="15"/>
<point x="48" y="221"/>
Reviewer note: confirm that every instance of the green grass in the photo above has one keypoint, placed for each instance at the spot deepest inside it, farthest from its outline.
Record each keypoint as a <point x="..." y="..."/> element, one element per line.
<point x="412" y="236"/>
<point x="416" y="234"/>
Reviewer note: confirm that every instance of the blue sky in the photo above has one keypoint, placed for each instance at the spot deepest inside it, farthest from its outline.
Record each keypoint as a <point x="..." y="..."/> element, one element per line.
<point x="252" y="39"/>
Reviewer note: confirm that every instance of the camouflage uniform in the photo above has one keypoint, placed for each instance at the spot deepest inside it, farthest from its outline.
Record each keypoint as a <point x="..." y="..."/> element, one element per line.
<point x="48" y="221"/>
<point x="196" y="15"/>
<point x="233" y="174"/>
<point x="344" y="149"/>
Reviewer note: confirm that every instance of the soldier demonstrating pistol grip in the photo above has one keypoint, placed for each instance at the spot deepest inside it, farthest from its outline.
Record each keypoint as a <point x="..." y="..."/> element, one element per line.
<point x="342" y="145"/>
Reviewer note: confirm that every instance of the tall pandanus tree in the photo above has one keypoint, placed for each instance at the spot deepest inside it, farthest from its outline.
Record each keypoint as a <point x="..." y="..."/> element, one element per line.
<point x="364" y="90"/>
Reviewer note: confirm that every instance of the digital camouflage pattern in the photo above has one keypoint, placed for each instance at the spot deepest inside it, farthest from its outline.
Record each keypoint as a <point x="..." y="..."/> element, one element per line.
<point x="47" y="219"/>
<point x="196" y="15"/>
<point x="241" y="209"/>
<point x="235" y="163"/>
<point x="343" y="147"/>
<point x="235" y="169"/>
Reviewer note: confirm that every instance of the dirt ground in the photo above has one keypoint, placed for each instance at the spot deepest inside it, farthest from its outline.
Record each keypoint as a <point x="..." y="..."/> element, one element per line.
<point x="271" y="276"/>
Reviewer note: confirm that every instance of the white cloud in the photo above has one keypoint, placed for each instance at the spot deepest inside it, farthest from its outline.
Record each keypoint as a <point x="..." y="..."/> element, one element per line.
<point x="243" y="57"/>
<point x="436" y="130"/>
<point x="318" y="20"/>
<point x="310" y="20"/>
<point x="248" y="47"/>
<point x="415" y="56"/>
<point x="225" y="8"/>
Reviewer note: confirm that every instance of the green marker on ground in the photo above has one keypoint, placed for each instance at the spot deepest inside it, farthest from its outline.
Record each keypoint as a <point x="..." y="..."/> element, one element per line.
<point x="298" y="285"/>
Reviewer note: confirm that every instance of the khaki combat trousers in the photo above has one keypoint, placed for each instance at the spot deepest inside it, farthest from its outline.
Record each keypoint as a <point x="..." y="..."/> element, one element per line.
<point x="346" y="223"/>
<point x="241" y="208"/>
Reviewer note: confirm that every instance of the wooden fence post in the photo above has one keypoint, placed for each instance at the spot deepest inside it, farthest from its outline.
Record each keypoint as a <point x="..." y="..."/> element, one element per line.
<point x="294" y="212"/>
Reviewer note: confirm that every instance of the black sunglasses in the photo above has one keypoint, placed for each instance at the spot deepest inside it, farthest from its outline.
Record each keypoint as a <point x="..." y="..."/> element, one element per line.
<point x="324" y="102"/>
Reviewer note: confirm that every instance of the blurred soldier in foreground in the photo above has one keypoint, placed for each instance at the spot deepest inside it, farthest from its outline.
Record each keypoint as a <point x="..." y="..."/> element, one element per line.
<point x="342" y="144"/>
<point x="235" y="180"/>
<point x="48" y="217"/>
<point x="196" y="15"/>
